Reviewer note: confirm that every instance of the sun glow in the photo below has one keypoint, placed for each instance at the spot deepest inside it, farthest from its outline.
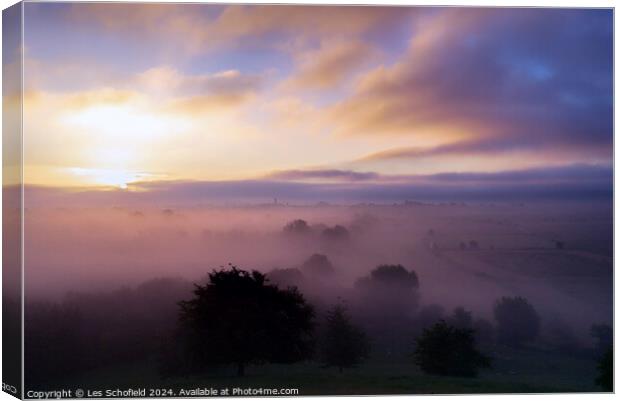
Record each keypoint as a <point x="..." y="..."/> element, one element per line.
<point x="119" y="121"/>
<point x="107" y="177"/>
<point x="117" y="142"/>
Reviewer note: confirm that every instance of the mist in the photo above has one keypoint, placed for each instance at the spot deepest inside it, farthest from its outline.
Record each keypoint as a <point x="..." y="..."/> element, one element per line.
<point x="556" y="255"/>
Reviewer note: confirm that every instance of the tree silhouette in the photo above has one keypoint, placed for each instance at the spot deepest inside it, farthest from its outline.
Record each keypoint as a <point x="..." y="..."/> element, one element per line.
<point x="449" y="351"/>
<point x="390" y="290"/>
<point x="461" y="319"/>
<point x="238" y="318"/>
<point x="344" y="344"/>
<point x="318" y="264"/>
<point x="298" y="226"/>
<point x="605" y="368"/>
<point x="517" y="321"/>
<point x="336" y="233"/>
<point x="391" y="276"/>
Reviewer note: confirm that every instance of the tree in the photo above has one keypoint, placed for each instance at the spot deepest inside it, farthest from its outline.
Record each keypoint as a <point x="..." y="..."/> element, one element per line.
<point x="298" y="226"/>
<point x="605" y="378"/>
<point x="336" y="233"/>
<point x="238" y="318"/>
<point x="449" y="351"/>
<point x="461" y="319"/>
<point x="391" y="276"/>
<point x="344" y="344"/>
<point x="318" y="264"/>
<point x="517" y="321"/>
<point x="390" y="290"/>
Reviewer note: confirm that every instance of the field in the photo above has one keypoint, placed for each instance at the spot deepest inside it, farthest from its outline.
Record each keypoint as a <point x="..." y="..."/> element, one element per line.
<point x="514" y="371"/>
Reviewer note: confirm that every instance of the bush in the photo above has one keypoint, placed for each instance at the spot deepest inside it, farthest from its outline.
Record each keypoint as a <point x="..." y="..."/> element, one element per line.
<point x="517" y="321"/>
<point x="344" y="344"/>
<point x="449" y="351"/>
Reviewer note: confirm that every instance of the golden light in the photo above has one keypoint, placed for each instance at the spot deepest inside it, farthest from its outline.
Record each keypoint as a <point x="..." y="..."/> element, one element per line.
<point x="120" y="121"/>
<point x="119" y="142"/>
<point x="107" y="177"/>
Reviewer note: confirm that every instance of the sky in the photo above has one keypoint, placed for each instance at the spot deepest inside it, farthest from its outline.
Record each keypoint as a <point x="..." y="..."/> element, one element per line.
<point x="318" y="102"/>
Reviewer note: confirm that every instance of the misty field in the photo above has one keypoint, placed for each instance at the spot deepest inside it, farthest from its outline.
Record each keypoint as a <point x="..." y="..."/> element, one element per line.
<point x="105" y="284"/>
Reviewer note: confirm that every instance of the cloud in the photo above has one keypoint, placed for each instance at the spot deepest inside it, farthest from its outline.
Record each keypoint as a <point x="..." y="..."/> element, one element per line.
<point x="169" y="80"/>
<point x="330" y="64"/>
<point x="556" y="174"/>
<point x="197" y="94"/>
<point x="521" y="76"/>
<point x="387" y="90"/>
<point x="162" y="89"/>
<point x="206" y="27"/>
<point x="463" y="147"/>
<point x="331" y="174"/>
<point x="489" y="147"/>
<point x="566" y="183"/>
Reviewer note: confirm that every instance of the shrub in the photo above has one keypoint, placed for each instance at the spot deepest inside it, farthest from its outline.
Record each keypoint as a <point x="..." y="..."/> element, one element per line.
<point x="344" y="344"/>
<point x="517" y="321"/>
<point x="449" y="351"/>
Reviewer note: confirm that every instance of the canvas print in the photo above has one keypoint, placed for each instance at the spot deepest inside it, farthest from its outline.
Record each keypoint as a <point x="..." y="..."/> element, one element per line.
<point x="251" y="200"/>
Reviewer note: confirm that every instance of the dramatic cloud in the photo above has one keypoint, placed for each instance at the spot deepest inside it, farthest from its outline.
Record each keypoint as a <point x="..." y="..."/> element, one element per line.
<point x="200" y="27"/>
<point x="369" y="97"/>
<point x="521" y="76"/>
<point x="332" y="63"/>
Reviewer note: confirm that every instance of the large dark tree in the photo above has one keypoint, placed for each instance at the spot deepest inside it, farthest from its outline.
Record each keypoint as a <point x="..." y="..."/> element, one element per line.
<point x="517" y="321"/>
<point x="344" y="345"/>
<point x="238" y="318"/>
<point x="449" y="351"/>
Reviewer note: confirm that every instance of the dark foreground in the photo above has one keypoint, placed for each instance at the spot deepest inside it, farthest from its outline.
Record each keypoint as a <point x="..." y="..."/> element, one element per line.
<point x="514" y="371"/>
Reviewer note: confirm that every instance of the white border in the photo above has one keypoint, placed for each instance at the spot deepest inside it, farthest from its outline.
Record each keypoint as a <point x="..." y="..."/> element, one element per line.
<point x="482" y="3"/>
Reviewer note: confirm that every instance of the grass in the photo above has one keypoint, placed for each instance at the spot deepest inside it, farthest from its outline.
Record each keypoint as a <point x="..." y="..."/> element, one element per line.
<point x="514" y="371"/>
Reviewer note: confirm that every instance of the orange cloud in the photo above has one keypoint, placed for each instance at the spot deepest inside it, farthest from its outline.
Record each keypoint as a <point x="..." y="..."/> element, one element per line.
<point x="329" y="65"/>
<point x="201" y="31"/>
